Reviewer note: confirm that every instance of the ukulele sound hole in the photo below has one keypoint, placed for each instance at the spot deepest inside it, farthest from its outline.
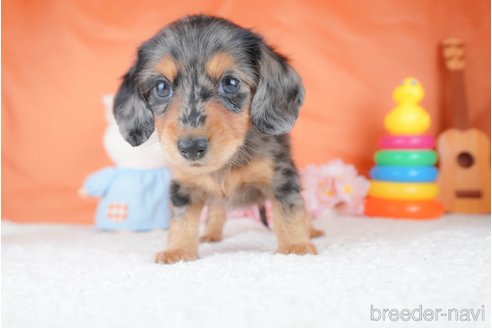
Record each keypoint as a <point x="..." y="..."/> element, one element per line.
<point x="465" y="159"/>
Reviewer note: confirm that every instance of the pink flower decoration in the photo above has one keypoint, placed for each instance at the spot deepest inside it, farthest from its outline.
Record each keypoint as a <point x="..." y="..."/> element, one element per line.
<point x="319" y="190"/>
<point x="334" y="185"/>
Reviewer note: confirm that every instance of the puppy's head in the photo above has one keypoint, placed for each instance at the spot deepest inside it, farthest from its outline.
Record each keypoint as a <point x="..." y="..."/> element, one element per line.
<point x="203" y="82"/>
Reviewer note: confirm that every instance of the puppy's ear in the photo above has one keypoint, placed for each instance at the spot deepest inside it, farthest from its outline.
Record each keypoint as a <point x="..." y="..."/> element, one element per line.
<point x="278" y="96"/>
<point x="135" y="120"/>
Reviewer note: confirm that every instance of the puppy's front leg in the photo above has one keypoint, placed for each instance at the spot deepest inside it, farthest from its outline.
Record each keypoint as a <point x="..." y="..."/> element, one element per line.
<point x="291" y="222"/>
<point x="182" y="238"/>
<point x="292" y="229"/>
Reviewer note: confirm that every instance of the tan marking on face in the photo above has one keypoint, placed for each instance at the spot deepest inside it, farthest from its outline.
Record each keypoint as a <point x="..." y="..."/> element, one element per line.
<point x="219" y="64"/>
<point x="167" y="67"/>
<point x="168" y="131"/>
<point x="225" y="131"/>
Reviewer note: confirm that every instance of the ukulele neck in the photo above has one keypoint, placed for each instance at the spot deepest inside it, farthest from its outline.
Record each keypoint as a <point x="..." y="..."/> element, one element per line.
<point x="457" y="102"/>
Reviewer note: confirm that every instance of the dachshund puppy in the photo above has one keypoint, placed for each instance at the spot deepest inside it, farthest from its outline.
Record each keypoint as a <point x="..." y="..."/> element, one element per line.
<point x="222" y="103"/>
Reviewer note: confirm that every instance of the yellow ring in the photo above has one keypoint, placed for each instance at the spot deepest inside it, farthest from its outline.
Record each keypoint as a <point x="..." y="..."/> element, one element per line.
<point x="403" y="191"/>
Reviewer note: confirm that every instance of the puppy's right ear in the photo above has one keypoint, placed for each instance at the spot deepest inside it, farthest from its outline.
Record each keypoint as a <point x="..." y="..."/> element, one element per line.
<point x="135" y="120"/>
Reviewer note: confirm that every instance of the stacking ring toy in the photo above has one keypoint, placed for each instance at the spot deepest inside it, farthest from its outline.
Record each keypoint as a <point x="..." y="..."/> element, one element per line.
<point x="423" y="209"/>
<point x="403" y="191"/>
<point x="406" y="157"/>
<point x="404" y="173"/>
<point x="407" y="142"/>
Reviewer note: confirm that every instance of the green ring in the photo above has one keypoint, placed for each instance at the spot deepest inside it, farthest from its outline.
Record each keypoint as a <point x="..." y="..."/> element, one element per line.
<point x="406" y="157"/>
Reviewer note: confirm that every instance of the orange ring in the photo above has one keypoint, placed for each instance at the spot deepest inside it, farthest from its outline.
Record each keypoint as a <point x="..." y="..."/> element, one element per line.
<point x="400" y="209"/>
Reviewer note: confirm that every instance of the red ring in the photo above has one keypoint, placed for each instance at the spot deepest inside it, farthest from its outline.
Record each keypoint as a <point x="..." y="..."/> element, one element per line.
<point x="407" y="142"/>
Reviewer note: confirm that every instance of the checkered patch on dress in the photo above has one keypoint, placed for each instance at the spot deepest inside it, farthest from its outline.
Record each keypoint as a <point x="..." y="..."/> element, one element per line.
<point x="117" y="212"/>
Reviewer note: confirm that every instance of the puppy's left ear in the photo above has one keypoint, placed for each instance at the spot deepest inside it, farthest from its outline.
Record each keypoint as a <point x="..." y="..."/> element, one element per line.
<point x="278" y="96"/>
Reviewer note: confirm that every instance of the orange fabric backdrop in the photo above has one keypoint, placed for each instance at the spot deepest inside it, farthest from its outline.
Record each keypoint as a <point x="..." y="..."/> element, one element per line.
<point x="60" y="56"/>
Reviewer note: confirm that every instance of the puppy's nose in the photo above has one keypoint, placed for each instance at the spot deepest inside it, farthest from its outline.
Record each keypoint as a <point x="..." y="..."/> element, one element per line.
<point x="193" y="148"/>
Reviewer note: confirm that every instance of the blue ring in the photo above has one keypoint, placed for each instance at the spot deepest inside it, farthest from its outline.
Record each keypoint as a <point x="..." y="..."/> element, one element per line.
<point x="404" y="173"/>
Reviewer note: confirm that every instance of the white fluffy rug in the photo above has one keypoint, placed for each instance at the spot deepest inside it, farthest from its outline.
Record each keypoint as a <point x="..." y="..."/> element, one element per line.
<point x="74" y="276"/>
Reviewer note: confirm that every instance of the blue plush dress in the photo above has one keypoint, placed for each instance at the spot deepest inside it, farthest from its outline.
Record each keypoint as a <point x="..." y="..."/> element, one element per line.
<point x="131" y="199"/>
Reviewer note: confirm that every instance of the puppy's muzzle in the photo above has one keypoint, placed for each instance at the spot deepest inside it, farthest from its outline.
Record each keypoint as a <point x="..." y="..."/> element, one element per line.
<point x="193" y="148"/>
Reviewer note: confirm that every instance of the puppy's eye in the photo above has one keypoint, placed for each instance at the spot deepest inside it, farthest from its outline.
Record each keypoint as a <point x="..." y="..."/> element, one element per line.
<point x="163" y="89"/>
<point x="229" y="85"/>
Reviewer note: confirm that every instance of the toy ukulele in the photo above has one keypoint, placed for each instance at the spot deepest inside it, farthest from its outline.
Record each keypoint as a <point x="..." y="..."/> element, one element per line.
<point x="464" y="152"/>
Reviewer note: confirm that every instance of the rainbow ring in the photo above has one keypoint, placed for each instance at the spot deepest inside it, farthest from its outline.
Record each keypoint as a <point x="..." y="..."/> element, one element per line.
<point x="404" y="173"/>
<point x="403" y="191"/>
<point x="398" y="209"/>
<point x="406" y="157"/>
<point x="407" y="142"/>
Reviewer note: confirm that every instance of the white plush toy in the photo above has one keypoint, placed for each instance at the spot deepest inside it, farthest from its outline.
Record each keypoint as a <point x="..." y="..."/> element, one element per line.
<point x="134" y="193"/>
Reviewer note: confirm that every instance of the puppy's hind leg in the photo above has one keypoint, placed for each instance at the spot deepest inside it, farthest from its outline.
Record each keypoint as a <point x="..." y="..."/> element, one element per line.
<point x="215" y="224"/>
<point x="314" y="233"/>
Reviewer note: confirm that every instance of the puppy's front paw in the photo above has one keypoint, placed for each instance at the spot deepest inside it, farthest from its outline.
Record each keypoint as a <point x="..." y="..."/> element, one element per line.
<point x="210" y="238"/>
<point x="299" y="249"/>
<point x="175" y="255"/>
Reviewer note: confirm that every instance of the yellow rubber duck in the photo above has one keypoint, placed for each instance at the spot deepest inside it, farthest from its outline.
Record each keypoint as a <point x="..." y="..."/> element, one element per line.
<point x="408" y="117"/>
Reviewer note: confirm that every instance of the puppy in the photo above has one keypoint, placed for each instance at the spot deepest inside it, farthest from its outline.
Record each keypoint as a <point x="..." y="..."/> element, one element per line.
<point x="222" y="103"/>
